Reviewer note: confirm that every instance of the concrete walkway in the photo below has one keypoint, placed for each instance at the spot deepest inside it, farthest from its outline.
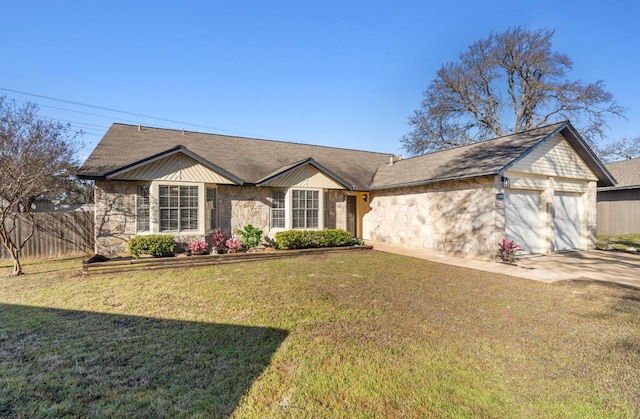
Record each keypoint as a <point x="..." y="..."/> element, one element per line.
<point x="618" y="267"/>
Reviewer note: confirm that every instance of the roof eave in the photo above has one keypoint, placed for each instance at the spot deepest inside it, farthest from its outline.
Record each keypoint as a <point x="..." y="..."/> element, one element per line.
<point x="308" y="161"/>
<point x="432" y="181"/>
<point x="169" y="152"/>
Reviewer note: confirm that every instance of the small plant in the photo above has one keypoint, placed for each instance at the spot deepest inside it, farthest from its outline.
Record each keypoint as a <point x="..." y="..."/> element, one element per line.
<point x="234" y="245"/>
<point x="250" y="236"/>
<point x="507" y="250"/>
<point x="156" y="245"/>
<point x="218" y="240"/>
<point x="198" y="247"/>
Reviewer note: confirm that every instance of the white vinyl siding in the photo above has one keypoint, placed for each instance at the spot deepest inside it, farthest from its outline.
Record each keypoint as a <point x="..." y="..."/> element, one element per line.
<point x="174" y="168"/>
<point x="554" y="157"/>
<point x="522" y="219"/>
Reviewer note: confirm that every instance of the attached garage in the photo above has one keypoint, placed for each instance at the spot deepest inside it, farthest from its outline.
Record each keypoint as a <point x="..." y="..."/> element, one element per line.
<point x="566" y="221"/>
<point x="522" y="219"/>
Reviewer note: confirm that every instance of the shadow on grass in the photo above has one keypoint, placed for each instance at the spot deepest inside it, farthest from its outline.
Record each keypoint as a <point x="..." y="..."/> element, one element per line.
<point x="57" y="363"/>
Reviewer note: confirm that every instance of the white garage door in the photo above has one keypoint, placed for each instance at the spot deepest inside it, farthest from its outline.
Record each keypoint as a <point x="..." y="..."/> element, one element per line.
<point x="566" y="221"/>
<point x="522" y="219"/>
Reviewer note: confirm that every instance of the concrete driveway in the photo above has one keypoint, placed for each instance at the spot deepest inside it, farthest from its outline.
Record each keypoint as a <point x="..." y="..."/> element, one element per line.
<point x="618" y="267"/>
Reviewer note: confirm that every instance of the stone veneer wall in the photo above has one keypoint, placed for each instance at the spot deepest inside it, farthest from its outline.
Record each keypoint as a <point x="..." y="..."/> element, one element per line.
<point x="590" y="205"/>
<point x="239" y="206"/>
<point x="115" y="203"/>
<point x="457" y="216"/>
<point x="337" y="209"/>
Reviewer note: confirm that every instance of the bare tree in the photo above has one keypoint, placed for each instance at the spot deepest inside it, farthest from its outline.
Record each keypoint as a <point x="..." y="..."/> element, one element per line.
<point x="36" y="159"/>
<point x="623" y="149"/>
<point x="509" y="82"/>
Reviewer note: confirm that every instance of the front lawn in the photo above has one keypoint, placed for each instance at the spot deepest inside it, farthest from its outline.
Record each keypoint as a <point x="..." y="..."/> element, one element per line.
<point x="341" y="335"/>
<point x="619" y="242"/>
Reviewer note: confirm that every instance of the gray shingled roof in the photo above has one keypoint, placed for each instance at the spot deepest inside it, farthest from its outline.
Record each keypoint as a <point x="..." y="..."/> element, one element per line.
<point x="489" y="157"/>
<point x="252" y="160"/>
<point x="626" y="172"/>
<point x="246" y="158"/>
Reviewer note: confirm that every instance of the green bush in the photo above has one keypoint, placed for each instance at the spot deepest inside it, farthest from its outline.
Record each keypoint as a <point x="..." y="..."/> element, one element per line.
<point x="153" y="244"/>
<point x="250" y="236"/>
<point x="303" y="239"/>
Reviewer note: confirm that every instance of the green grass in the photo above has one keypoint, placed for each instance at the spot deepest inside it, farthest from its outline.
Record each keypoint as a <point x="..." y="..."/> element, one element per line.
<point x="619" y="242"/>
<point x="344" y="335"/>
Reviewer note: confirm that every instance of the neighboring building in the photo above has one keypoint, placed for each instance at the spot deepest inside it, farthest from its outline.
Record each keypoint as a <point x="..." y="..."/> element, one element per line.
<point x="619" y="206"/>
<point x="537" y="187"/>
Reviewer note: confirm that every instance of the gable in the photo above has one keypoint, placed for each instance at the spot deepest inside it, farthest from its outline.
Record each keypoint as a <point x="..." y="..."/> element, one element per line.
<point x="175" y="167"/>
<point x="305" y="176"/>
<point x="554" y="157"/>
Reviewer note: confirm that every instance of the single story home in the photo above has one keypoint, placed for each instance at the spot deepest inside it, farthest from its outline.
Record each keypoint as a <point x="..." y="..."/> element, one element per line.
<point x="619" y="206"/>
<point x="536" y="187"/>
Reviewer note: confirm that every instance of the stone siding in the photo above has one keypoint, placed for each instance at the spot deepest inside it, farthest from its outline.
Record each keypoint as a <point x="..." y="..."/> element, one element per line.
<point x="242" y="205"/>
<point x="590" y="206"/>
<point x="115" y="204"/>
<point x="457" y="217"/>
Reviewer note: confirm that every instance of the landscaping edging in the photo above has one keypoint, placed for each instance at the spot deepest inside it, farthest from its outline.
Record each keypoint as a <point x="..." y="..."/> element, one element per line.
<point x="206" y="260"/>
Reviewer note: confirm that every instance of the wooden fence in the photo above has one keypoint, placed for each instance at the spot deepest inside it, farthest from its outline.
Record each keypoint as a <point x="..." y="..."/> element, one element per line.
<point x="618" y="212"/>
<point x="57" y="234"/>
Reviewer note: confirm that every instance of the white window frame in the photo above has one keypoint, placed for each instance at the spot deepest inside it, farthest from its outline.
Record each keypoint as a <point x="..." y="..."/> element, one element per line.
<point x="149" y="217"/>
<point x="288" y="225"/>
<point x="284" y="209"/>
<point x="154" y="207"/>
<point x="208" y="210"/>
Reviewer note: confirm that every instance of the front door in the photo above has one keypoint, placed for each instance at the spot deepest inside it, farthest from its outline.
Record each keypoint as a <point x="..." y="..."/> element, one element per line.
<point x="351" y="215"/>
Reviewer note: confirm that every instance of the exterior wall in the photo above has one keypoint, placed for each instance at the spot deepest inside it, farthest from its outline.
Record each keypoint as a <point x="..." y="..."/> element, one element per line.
<point x="242" y="205"/>
<point x="618" y="212"/>
<point x="554" y="157"/>
<point x="548" y="186"/>
<point x="458" y="216"/>
<point x="115" y="223"/>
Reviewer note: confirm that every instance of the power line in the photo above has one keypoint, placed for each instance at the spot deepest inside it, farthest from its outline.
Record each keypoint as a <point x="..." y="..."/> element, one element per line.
<point x="172" y="121"/>
<point x="80" y="112"/>
<point x="109" y="109"/>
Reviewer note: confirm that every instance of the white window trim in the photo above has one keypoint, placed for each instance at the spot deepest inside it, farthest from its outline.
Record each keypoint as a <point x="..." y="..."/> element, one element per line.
<point x="205" y="210"/>
<point x="271" y="228"/>
<point x="288" y="222"/>
<point x="154" y="207"/>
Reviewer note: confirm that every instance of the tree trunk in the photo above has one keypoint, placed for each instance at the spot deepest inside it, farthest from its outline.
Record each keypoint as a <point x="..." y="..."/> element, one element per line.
<point x="17" y="266"/>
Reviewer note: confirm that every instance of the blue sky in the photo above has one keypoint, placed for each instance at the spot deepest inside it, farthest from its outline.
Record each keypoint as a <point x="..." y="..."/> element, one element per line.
<point x="336" y="73"/>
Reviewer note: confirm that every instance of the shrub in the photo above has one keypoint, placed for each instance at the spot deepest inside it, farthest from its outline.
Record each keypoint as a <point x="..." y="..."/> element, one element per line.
<point x="250" y="236"/>
<point x="234" y="245"/>
<point x="198" y="247"/>
<point x="303" y="239"/>
<point x="507" y="250"/>
<point x="218" y="238"/>
<point x="153" y="244"/>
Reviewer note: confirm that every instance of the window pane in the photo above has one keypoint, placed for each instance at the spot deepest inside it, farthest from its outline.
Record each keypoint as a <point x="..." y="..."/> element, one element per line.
<point x="142" y="208"/>
<point x="211" y="209"/>
<point x="178" y="207"/>
<point x="277" y="209"/>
